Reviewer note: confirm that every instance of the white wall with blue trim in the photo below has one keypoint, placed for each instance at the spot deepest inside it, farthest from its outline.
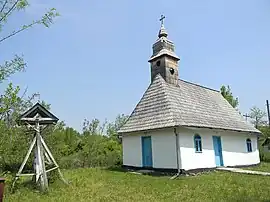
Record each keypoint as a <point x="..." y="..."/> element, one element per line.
<point x="234" y="148"/>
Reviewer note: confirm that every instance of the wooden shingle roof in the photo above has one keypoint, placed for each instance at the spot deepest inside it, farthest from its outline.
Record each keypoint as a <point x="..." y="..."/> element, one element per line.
<point x="191" y="105"/>
<point x="44" y="115"/>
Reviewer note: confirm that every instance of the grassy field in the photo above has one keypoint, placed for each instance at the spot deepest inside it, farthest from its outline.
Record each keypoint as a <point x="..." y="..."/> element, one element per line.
<point x="265" y="167"/>
<point x="106" y="185"/>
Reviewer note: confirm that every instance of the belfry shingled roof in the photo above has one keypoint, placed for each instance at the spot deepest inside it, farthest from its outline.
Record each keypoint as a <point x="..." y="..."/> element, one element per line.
<point x="165" y="105"/>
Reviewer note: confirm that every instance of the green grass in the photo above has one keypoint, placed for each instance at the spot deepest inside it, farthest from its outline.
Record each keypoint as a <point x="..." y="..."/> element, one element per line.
<point x="96" y="184"/>
<point x="263" y="166"/>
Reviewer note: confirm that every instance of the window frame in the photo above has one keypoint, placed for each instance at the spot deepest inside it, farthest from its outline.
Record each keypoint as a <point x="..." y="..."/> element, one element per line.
<point x="249" y="145"/>
<point x="197" y="143"/>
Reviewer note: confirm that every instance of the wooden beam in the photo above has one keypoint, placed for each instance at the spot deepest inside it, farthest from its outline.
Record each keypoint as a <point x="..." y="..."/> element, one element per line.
<point x="39" y="119"/>
<point x="27" y="155"/>
<point x="24" y="161"/>
<point x="26" y="174"/>
<point x="49" y="161"/>
<point x="48" y="151"/>
<point x="268" y="112"/>
<point x="40" y="156"/>
<point x="52" y="169"/>
<point x="51" y="156"/>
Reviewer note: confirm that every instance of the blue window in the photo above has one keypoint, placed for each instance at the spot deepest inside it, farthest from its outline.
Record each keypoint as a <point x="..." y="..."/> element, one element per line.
<point x="198" y="143"/>
<point x="249" y="145"/>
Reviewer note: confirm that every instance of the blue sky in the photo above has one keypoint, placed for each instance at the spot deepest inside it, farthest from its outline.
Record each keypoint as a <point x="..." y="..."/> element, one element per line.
<point x="93" y="61"/>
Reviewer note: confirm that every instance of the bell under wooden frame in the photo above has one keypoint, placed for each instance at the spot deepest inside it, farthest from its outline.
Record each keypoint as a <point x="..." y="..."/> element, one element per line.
<point x="38" y="118"/>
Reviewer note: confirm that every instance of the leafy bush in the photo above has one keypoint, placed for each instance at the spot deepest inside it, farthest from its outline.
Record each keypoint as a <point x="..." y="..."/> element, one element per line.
<point x="13" y="147"/>
<point x="100" y="151"/>
<point x="69" y="148"/>
<point x="264" y="155"/>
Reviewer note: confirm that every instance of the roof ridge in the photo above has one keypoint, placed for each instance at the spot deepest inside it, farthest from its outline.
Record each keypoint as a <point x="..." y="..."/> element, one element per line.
<point x="199" y="85"/>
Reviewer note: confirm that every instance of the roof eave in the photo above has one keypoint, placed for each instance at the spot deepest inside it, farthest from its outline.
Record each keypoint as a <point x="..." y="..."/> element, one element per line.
<point x="167" y="54"/>
<point x="151" y="129"/>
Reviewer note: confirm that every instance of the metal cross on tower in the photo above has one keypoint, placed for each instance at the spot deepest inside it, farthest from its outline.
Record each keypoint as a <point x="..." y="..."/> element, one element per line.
<point x="162" y="17"/>
<point x="38" y="118"/>
<point x="246" y="115"/>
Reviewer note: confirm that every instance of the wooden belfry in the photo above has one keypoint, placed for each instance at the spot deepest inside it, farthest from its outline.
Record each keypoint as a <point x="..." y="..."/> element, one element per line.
<point x="38" y="118"/>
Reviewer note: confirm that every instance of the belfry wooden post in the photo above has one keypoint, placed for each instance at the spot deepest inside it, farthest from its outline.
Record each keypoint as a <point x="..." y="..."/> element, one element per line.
<point x="38" y="118"/>
<point x="40" y="161"/>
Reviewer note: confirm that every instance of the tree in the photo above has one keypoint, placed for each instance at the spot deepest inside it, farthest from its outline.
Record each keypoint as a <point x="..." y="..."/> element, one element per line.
<point x="13" y="140"/>
<point x="265" y="131"/>
<point x="7" y="8"/>
<point x="113" y="127"/>
<point x="93" y="127"/>
<point x="110" y="129"/>
<point x="227" y="94"/>
<point x="257" y="115"/>
<point x="11" y="104"/>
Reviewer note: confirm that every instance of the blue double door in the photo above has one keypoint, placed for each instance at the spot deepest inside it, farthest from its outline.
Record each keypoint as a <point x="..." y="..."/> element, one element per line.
<point x="218" y="150"/>
<point x="147" y="160"/>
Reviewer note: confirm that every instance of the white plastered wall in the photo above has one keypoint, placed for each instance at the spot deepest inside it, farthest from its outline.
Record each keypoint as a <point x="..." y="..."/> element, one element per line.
<point x="189" y="158"/>
<point x="163" y="149"/>
<point x="132" y="150"/>
<point x="234" y="149"/>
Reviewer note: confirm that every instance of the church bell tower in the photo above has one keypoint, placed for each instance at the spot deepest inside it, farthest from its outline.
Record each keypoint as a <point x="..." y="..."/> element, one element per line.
<point x="164" y="61"/>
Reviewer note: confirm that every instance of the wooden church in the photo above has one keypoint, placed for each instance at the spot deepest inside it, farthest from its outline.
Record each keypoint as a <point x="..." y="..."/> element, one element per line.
<point x="181" y="125"/>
